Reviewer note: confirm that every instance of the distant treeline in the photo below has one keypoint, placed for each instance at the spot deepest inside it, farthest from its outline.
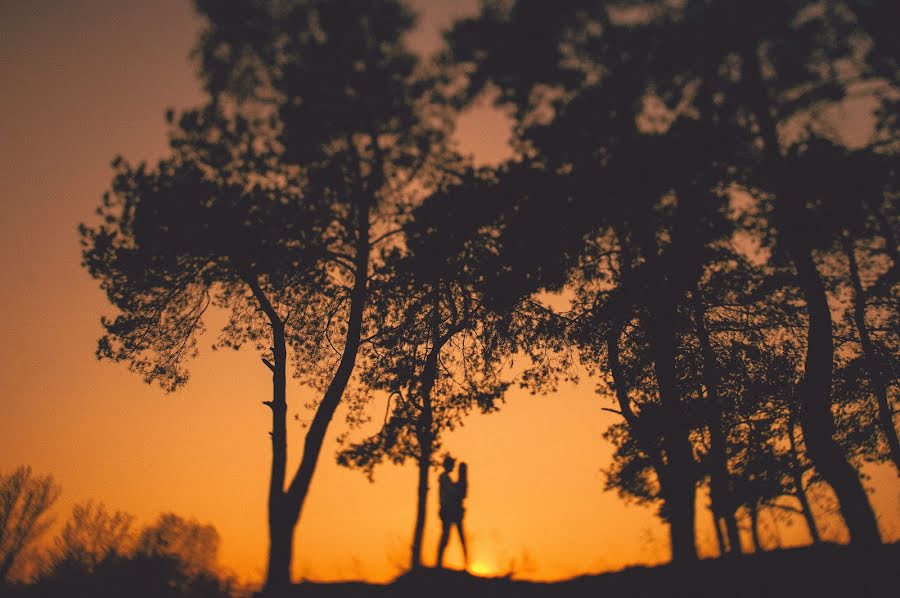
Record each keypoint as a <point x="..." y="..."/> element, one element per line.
<point x="99" y="552"/>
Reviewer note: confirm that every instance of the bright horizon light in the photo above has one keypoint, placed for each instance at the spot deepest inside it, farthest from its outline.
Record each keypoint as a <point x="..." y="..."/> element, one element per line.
<point x="482" y="568"/>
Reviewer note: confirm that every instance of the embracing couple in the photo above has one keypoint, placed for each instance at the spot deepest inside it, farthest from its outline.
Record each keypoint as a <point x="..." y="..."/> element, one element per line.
<point x="452" y="495"/>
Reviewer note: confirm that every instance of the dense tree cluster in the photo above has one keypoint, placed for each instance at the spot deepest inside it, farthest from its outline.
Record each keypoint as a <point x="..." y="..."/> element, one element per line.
<point x="730" y="260"/>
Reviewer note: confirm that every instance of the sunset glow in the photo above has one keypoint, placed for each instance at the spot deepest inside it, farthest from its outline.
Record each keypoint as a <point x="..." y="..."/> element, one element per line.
<point x="85" y="81"/>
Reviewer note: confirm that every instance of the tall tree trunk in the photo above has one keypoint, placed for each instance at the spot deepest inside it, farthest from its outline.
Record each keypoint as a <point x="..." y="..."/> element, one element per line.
<point x="800" y="488"/>
<point x="646" y="438"/>
<point x="717" y="525"/>
<point x="806" y="509"/>
<point x="676" y="490"/>
<point x="678" y="485"/>
<point x="425" y="438"/>
<point x="870" y="355"/>
<point x="281" y="523"/>
<point x="753" y="508"/>
<point x="725" y="516"/>
<point x="620" y="385"/>
<point x="816" y="417"/>
<point x="285" y="507"/>
<point x="734" y="532"/>
<point x="425" y="434"/>
<point x="719" y="478"/>
<point x="421" y="509"/>
<point x="315" y="435"/>
<point x="678" y="476"/>
<point x="281" y="547"/>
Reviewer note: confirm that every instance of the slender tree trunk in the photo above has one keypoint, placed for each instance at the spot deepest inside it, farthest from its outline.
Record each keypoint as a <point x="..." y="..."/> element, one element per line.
<point x="281" y="523"/>
<point x="816" y="417"/>
<point x="734" y="532"/>
<point x="800" y="489"/>
<point x="717" y="525"/>
<point x="421" y="509"/>
<point x="425" y="434"/>
<point x="425" y="437"/>
<point x="753" y="508"/>
<point x="719" y="478"/>
<point x="806" y="509"/>
<point x="315" y="435"/>
<point x="872" y="362"/>
<point x="726" y="516"/>
<point x="6" y="565"/>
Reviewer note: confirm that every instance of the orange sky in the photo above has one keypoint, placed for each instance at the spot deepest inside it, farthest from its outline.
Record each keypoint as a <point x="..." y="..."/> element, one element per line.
<point x="85" y="80"/>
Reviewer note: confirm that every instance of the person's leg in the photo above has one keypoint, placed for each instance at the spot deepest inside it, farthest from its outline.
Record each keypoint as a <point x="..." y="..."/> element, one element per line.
<point x="462" y="540"/>
<point x="445" y="536"/>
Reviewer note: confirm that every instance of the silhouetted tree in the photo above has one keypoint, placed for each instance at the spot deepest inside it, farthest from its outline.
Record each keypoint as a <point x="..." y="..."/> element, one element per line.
<point x="194" y="545"/>
<point x="648" y="200"/>
<point x="755" y="73"/>
<point x="348" y="129"/>
<point x="221" y="222"/>
<point x="25" y="500"/>
<point x="359" y="114"/>
<point x="97" y="555"/>
<point x="857" y="209"/>
<point x="441" y="350"/>
<point x="785" y="64"/>
<point x="91" y="535"/>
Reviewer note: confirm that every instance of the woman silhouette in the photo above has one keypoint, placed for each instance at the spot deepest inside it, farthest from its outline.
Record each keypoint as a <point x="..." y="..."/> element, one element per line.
<point x="452" y="495"/>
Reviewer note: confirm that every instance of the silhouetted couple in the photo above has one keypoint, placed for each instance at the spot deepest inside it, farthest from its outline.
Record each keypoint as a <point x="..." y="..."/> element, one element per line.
<point x="452" y="495"/>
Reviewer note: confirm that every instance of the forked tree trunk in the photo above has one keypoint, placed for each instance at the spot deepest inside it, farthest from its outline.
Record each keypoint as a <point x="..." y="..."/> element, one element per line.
<point x="281" y="524"/>
<point x="285" y="506"/>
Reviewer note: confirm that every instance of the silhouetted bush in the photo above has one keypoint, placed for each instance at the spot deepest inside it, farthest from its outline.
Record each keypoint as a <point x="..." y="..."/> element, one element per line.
<point x="138" y="576"/>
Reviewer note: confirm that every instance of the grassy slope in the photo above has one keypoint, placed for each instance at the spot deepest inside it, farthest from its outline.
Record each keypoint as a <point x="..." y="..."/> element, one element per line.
<point x="827" y="571"/>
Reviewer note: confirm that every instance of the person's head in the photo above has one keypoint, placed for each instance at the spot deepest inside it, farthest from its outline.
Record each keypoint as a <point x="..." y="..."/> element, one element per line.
<point x="463" y="468"/>
<point x="449" y="462"/>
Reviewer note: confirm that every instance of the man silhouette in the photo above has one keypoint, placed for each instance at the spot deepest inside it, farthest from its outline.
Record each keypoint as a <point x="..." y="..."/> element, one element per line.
<point x="451" y="497"/>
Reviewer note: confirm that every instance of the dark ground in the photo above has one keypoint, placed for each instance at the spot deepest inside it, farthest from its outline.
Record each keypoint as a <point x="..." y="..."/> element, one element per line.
<point x="826" y="571"/>
<point x="821" y="572"/>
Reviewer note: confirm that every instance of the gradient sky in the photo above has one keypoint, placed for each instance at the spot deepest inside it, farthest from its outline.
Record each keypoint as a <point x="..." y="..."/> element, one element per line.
<point x="84" y="80"/>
